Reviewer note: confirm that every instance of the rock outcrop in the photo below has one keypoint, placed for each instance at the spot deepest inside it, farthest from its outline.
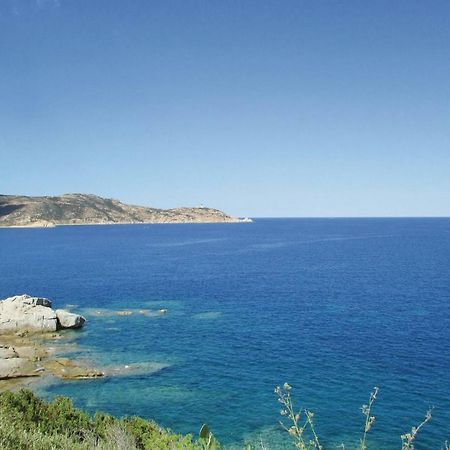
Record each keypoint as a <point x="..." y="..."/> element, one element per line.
<point x="25" y="313"/>
<point x="84" y="209"/>
<point x="24" y="322"/>
<point x="66" y="319"/>
<point x="31" y="344"/>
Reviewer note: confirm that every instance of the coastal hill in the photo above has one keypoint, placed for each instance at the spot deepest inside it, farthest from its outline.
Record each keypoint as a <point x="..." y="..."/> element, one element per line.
<point x="85" y="209"/>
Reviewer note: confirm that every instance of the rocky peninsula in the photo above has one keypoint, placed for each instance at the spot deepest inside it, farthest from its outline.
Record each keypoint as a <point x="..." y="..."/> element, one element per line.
<point x="88" y="209"/>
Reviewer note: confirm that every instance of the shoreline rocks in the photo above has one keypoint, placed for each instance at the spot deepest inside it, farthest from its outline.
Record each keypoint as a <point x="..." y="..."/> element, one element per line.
<point x="26" y="313"/>
<point x="67" y="319"/>
<point x="33" y="342"/>
<point x="16" y="367"/>
<point x="26" y="324"/>
<point x="69" y="370"/>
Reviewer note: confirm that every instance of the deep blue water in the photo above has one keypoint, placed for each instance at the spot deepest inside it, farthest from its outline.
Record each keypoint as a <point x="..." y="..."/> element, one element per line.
<point x="334" y="306"/>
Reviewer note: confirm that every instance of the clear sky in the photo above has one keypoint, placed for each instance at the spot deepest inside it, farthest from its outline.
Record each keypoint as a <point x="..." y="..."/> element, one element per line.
<point x="256" y="107"/>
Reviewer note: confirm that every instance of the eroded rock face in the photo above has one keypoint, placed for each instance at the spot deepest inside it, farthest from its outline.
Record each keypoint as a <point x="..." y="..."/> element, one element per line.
<point x="69" y="320"/>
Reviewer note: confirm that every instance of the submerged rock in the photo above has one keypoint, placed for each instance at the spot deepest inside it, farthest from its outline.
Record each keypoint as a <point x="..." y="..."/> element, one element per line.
<point x="68" y="369"/>
<point x="142" y="368"/>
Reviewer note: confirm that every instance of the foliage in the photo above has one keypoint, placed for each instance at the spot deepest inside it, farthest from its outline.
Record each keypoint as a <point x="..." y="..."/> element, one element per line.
<point x="27" y="422"/>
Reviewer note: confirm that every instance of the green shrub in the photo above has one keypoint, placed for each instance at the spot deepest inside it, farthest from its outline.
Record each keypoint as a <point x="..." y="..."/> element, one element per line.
<point x="27" y="422"/>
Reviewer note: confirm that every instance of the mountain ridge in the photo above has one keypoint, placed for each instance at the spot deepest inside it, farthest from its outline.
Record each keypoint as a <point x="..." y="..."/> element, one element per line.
<point x="91" y="209"/>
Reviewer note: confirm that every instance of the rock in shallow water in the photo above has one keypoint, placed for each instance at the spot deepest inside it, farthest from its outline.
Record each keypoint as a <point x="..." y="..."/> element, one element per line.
<point x="68" y="369"/>
<point x="69" y="320"/>
<point x="23" y="312"/>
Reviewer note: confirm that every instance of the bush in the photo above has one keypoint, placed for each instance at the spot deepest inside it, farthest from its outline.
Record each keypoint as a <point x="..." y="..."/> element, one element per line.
<point x="27" y="422"/>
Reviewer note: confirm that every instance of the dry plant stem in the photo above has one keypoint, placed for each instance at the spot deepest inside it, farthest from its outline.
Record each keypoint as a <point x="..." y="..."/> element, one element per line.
<point x="408" y="438"/>
<point x="309" y="418"/>
<point x="296" y="431"/>
<point x="369" y="419"/>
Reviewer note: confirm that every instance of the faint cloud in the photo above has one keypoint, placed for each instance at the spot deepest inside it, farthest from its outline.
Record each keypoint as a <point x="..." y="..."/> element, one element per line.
<point x="19" y="7"/>
<point x="46" y="3"/>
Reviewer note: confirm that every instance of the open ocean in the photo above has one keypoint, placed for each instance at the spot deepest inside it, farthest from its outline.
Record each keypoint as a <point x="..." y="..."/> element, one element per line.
<point x="333" y="306"/>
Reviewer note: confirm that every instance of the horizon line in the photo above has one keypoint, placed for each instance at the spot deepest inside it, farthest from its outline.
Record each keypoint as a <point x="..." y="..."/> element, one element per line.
<point x="349" y="217"/>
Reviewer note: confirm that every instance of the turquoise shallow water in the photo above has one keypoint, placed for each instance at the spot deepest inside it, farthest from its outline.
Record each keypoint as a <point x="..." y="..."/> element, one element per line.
<point x="334" y="306"/>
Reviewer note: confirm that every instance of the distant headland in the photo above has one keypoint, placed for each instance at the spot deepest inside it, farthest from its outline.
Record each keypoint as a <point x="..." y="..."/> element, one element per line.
<point x="88" y="209"/>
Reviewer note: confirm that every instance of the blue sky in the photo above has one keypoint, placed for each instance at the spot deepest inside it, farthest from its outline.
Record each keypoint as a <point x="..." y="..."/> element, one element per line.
<point x="259" y="108"/>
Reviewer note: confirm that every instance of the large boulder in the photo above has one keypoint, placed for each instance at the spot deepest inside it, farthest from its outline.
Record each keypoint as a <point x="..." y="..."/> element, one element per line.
<point x="69" y="320"/>
<point x="23" y="312"/>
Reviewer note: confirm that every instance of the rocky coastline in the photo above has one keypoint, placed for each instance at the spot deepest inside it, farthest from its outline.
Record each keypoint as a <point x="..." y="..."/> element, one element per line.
<point x="29" y="332"/>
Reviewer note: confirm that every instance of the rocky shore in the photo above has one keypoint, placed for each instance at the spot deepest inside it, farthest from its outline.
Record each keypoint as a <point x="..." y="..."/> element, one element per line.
<point x="29" y="329"/>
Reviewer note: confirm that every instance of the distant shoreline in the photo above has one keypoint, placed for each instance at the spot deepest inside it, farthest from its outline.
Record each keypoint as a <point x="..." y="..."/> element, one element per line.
<point x="56" y="225"/>
<point x="89" y="209"/>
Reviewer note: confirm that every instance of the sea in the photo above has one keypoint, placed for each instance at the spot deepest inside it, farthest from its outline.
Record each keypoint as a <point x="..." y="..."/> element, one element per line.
<point x="334" y="307"/>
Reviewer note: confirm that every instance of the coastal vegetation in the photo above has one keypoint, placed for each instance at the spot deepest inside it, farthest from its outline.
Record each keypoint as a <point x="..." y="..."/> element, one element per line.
<point x="27" y="422"/>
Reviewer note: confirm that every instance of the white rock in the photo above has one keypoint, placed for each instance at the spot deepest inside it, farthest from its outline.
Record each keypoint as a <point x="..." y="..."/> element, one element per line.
<point x="69" y="320"/>
<point x="23" y="312"/>
<point x="7" y="352"/>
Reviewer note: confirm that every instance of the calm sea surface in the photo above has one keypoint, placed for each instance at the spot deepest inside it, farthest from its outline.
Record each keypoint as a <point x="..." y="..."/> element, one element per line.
<point x="333" y="306"/>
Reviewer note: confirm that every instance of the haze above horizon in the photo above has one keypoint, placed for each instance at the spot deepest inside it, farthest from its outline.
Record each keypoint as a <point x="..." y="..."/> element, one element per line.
<point x="258" y="108"/>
